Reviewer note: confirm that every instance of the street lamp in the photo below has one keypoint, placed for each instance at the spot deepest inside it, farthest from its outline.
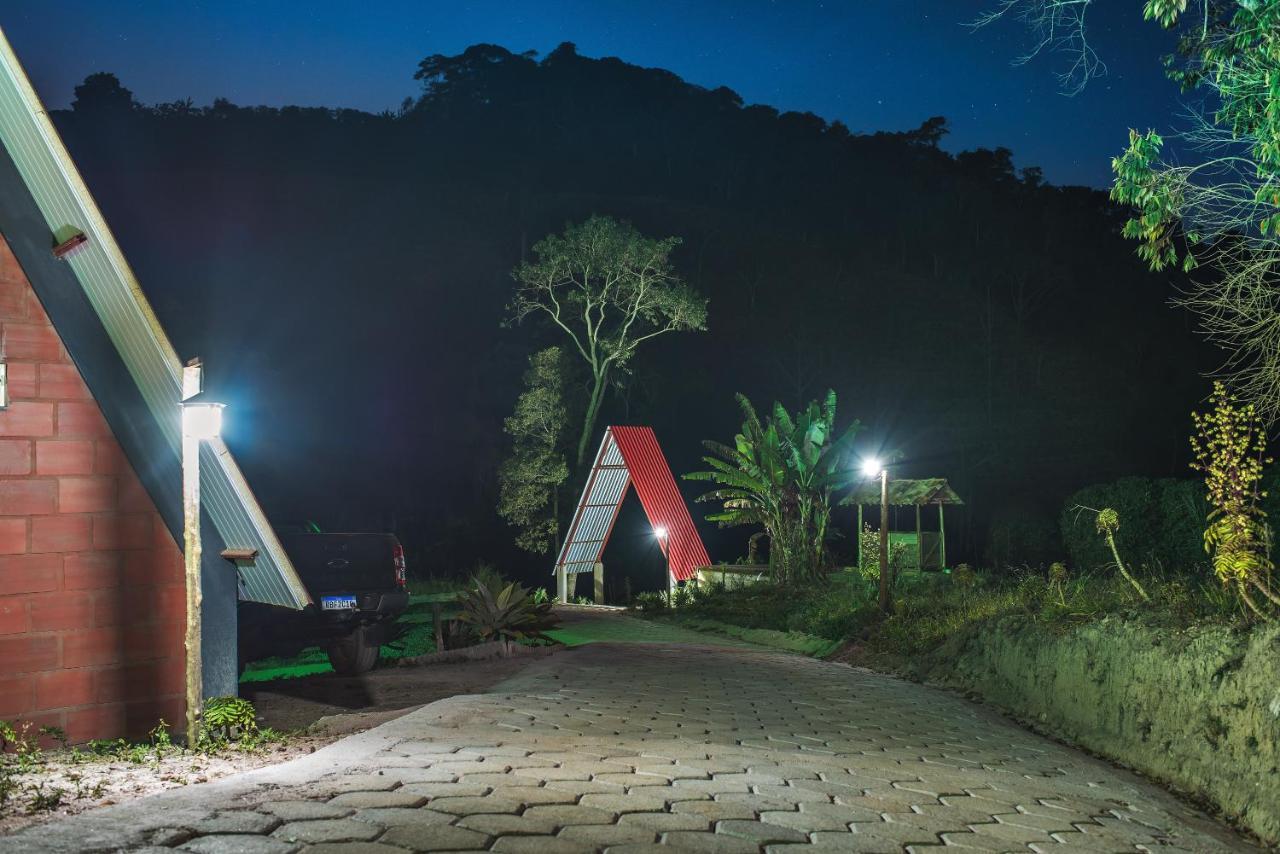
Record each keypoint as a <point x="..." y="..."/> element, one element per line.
<point x="201" y="422"/>
<point x="870" y="468"/>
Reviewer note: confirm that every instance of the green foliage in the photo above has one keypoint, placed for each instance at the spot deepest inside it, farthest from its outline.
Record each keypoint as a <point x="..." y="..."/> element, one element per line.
<point x="1162" y="525"/>
<point x="650" y="602"/>
<point x="833" y="611"/>
<point x="1141" y="184"/>
<point x="781" y="473"/>
<point x="1230" y="449"/>
<point x="530" y="477"/>
<point x="226" y="719"/>
<point x="609" y="289"/>
<point x="933" y="608"/>
<point x="509" y="615"/>
<point x="901" y="555"/>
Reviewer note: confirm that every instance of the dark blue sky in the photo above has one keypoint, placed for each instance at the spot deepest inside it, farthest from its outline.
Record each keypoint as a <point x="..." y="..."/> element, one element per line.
<point x="874" y="64"/>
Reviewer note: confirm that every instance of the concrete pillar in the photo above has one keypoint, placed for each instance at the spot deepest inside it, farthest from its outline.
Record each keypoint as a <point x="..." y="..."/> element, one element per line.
<point x="562" y="585"/>
<point x="598" y="577"/>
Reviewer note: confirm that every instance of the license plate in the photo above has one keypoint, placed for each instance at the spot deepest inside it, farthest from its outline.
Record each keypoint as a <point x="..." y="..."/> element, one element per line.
<point x="338" y="603"/>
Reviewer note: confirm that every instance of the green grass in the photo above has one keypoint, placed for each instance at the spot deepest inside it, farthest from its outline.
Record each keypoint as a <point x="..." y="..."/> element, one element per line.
<point x="418" y="640"/>
<point x="797" y="642"/>
<point x="930" y="608"/>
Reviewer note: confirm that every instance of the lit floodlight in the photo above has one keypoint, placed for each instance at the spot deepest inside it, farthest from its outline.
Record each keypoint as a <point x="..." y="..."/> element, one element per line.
<point x="871" y="467"/>
<point x="202" y="421"/>
<point x="660" y="533"/>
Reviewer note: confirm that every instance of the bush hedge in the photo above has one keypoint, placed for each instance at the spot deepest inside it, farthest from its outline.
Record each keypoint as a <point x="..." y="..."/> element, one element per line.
<point x="1161" y="524"/>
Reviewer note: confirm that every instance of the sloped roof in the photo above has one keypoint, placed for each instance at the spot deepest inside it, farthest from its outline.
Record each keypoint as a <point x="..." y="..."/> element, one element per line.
<point x="112" y="334"/>
<point x="906" y="493"/>
<point x="631" y="455"/>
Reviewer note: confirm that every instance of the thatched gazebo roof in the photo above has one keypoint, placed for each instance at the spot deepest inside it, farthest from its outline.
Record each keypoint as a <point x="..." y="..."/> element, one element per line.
<point x="906" y="493"/>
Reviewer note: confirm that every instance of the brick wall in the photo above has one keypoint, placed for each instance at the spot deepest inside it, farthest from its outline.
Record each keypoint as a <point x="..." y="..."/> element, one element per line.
<point x="91" y="584"/>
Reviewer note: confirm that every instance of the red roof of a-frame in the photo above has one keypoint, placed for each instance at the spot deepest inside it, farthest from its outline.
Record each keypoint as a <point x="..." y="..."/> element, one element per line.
<point x="631" y="456"/>
<point x="661" y="499"/>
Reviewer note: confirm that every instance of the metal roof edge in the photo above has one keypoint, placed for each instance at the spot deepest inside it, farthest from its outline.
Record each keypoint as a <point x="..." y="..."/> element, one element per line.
<point x="154" y="363"/>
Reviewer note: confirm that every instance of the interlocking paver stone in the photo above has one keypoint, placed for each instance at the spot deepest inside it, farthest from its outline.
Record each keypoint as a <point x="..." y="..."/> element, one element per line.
<point x="435" y="837"/>
<point x="361" y="783"/>
<point x="567" y="815"/>
<point x="237" y="821"/>
<point x="398" y="816"/>
<point x="541" y="845"/>
<point x="239" y="844"/>
<point x="370" y="800"/>
<point x="760" y="832"/>
<point x="604" y="835"/>
<point x="303" y="810"/>
<point x="327" y="830"/>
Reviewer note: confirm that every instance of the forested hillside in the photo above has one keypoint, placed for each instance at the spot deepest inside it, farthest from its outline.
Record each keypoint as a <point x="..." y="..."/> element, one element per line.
<point x="996" y="329"/>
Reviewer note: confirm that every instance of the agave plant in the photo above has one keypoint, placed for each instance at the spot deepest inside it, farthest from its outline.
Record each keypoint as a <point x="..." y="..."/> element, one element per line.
<point x="509" y="615"/>
<point x="781" y="474"/>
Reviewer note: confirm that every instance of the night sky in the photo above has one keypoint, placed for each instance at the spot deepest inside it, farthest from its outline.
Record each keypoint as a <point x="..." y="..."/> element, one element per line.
<point x="873" y="64"/>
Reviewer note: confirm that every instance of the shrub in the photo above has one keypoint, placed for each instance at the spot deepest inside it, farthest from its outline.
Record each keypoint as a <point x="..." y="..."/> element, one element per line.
<point x="508" y="615"/>
<point x="227" y="719"/>
<point x="650" y="602"/>
<point x="1163" y="524"/>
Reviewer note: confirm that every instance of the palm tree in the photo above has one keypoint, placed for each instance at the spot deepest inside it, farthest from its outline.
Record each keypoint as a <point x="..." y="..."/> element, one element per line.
<point x="781" y="474"/>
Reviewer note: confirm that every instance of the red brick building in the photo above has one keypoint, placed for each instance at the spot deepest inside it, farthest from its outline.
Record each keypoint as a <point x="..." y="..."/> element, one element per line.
<point x="92" y="582"/>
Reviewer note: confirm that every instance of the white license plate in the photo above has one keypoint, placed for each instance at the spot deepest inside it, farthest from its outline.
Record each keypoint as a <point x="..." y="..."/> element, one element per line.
<point x="338" y="603"/>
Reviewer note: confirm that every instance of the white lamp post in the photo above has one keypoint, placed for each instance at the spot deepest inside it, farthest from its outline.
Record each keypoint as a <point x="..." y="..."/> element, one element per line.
<point x="665" y="545"/>
<point x="870" y="468"/>
<point x="200" y="422"/>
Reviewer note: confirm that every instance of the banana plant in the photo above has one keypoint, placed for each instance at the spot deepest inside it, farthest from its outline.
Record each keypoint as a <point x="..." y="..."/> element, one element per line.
<point x="780" y="473"/>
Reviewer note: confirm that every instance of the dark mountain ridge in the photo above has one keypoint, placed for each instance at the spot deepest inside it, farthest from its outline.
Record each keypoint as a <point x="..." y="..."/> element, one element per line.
<point x="344" y="276"/>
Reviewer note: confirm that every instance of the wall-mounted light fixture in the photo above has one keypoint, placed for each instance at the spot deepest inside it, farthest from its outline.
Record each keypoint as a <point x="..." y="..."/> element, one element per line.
<point x="4" y="384"/>
<point x="70" y="246"/>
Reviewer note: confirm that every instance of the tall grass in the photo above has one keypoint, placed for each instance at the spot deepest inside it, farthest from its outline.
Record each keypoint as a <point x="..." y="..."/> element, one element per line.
<point x="930" y="608"/>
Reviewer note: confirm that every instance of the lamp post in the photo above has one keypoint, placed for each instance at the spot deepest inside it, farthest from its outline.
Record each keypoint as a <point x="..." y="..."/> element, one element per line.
<point x="665" y="545"/>
<point x="871" y="468"/>
<point x="200" y="422"/>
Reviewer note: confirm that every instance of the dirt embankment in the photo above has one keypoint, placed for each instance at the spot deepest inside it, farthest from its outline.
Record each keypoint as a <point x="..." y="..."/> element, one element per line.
<point x="1199" y="709"/>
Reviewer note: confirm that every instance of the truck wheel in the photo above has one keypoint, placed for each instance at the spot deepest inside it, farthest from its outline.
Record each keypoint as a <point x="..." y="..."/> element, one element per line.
<point x="354" y="654"/>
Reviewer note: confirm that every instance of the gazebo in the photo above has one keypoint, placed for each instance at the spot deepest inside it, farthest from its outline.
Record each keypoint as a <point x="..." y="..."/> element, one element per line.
<point x="930" y="547"/>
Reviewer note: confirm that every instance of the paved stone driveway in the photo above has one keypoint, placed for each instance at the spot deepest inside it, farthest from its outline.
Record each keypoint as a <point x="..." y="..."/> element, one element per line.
<point x="630" y="748"/>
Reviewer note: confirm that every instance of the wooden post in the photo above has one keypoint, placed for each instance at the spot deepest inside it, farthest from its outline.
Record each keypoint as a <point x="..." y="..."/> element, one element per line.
<point x="919" y="543"/>
<point x="191" y="562"/>
<point x="885" y="605"/>
<point x="436" y="626"/>
<point x="598" y="577"/>
<point x="942" y="534"/>
<point x="859" y="536"/>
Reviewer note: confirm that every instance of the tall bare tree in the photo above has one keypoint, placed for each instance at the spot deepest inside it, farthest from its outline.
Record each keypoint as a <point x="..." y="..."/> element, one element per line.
<point x="609" y="289"/>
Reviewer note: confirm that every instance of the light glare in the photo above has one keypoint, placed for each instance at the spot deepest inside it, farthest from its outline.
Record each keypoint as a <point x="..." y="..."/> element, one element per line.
<point x="202" y="421"/>
<point x="871" y="467"/>
<point x="660" y="533"/>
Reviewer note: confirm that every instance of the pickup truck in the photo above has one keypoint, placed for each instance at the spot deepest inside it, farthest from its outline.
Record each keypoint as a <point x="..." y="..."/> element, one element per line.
<point x="357" y="583"/>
